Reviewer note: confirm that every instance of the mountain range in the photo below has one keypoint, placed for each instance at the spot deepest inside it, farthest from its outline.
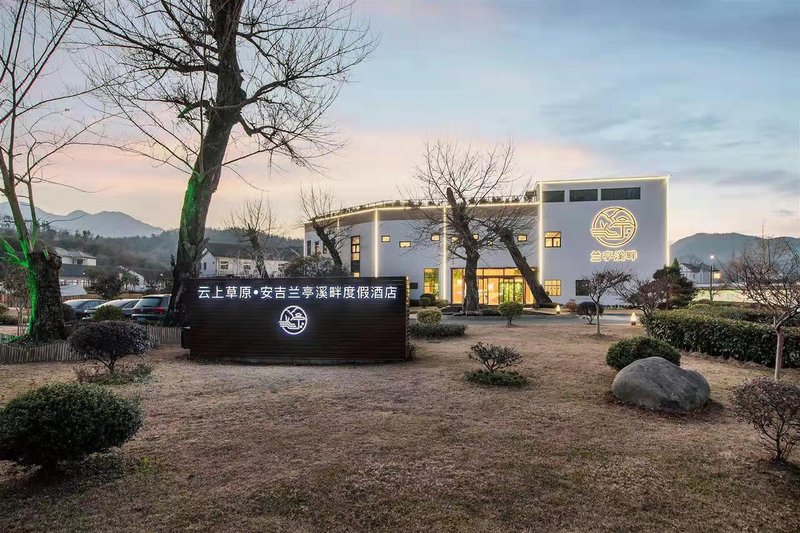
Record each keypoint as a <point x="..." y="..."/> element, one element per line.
<point x="104" y="223"/>
<point x="723" y="246"/>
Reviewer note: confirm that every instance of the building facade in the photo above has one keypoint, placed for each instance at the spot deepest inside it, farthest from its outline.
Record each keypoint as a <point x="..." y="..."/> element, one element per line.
<point x="571" y="228"/>
<point x="221" y="259"/>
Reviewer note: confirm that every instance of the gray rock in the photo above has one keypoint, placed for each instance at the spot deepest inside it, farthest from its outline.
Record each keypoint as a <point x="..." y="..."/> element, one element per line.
<point x="658" y="384"/>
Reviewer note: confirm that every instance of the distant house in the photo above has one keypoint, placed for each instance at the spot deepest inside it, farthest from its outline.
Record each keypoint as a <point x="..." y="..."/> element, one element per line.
<point x="221" y="259"/>
<point x="75" y="278"/>
<point x="74" y="257"/>
<point x="700" y="273"/>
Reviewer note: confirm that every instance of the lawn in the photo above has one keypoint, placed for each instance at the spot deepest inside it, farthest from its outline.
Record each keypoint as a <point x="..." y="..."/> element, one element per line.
<point x="413" y="447"/>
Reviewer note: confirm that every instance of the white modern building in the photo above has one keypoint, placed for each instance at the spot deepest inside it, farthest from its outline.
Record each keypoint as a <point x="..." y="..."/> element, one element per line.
<point x="220" y="259"/>
<point x="575" y="227"/>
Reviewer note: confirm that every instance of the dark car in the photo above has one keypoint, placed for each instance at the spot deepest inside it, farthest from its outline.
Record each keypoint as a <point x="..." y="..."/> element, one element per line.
<point x="81" y="307"/>
<point x="125" y="305"/>
<point x="150" y="308"/>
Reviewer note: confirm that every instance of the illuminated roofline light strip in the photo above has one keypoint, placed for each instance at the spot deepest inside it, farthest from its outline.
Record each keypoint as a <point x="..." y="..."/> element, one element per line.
<point x="598" y="180"/>
<point x="375" y="247"/>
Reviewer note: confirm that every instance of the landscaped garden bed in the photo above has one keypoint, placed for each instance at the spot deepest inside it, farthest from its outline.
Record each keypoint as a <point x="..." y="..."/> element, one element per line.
<point x="413" y="447"/>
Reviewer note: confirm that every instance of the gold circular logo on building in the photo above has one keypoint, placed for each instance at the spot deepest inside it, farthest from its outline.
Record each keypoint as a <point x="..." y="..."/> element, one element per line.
<point x="614" y="227"/>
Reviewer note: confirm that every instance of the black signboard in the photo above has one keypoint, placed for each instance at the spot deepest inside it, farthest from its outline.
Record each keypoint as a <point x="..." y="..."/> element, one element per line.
<point x="298" y="319"/>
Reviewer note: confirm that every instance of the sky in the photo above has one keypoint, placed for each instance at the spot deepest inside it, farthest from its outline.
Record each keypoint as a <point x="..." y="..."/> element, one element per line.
<point x="707" y="91"/>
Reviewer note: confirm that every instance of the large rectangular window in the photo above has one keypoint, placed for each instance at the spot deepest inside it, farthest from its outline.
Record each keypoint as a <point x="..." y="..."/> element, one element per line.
<point x="430" y="281"/>
<point x="316" y="247"/>
<point x="495" y="286"/>
<point x="621" y="193"/>
<point x="553" y="196"/>
<point x="583" y="195"/>
<point x="552" y="239"/>
<point x="552" y="287"/>
<point x="308" y="247"/>
<point x="581" y="287"/>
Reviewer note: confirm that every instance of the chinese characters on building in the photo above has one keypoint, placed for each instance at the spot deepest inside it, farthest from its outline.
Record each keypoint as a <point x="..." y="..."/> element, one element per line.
<point x="617" y="256"/>
<point x="290" y="292"/>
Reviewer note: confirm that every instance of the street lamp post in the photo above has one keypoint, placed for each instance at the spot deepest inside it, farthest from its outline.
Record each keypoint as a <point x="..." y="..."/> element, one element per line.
<point x="711" y="281"/>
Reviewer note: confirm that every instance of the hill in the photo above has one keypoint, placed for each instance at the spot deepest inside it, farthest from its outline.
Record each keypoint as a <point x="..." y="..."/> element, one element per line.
<point x="723" y="246"/>
<point x="104" y="223"/>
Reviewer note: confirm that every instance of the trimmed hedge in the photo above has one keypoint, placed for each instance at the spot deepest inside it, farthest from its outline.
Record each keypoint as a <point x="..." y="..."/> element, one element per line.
<point x="723" y="337"/>
<point x="436" y="331"/>
<point x="626" y="351"/>
<point x="739" y="312"/>
<point x="503" y="378"/>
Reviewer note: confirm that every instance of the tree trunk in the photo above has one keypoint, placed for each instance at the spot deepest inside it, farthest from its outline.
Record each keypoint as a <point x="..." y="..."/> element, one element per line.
<point x="207" y="169"/>
<point x="522" y="265"/>
<point x="779" y="352"/>
<point x="46" y="322"/>
<point x="597" y="316"/>
<point x="471" y="282"/>
<point x="329" y="245"/>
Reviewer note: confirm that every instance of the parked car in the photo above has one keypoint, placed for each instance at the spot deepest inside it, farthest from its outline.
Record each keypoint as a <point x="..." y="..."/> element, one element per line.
<point x="151" y="307"/>
<point x="125" y="305"/>
<point x="82" y="306"/>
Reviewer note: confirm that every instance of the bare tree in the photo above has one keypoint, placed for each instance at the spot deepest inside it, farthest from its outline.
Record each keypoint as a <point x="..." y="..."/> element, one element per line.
<point x="602" y="282"/>
<point x="208" y="83"/>
<point x="473" y="188"/>
<point x="254" y="224"/>
<point x="35" y="126"/>
<point x="646" y="295"/>
<point x="317" y="205"/>
<point x="507" y="235"/>
<point x="768" y="273"/>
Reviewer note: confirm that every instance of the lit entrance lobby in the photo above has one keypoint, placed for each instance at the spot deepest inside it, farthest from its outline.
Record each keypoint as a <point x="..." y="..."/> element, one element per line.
<point x="495" y="286"/>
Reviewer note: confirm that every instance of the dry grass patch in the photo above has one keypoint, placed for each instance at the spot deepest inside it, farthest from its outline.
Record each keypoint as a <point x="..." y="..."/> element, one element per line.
<point x="414" y="447"/>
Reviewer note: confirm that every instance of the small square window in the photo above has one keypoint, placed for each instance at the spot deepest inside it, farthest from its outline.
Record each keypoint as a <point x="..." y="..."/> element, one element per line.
<point x="552" y="287"/>
<point x="475" y="236"/>
<point x="436" y="237"/>
<point x="552" y="239"/>
<point x="454" y="239"/>
<point x="386" y="238"/>
<point x="405" y="244"/>
<point x="522" y="238"/>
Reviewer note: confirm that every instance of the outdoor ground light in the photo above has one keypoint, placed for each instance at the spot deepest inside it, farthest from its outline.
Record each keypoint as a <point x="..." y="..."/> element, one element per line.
<point x="558" y="309"/>
<point x="633" y="319"/>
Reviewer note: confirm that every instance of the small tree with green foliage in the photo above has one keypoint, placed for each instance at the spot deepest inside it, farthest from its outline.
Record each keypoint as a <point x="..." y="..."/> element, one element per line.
<point x="682" y="290"/>
<point x="108" y="285"/>
<point x="511" y="310"/>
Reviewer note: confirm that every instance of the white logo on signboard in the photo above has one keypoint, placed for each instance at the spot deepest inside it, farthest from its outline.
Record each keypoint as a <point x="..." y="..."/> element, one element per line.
<point x="293" y="320"/>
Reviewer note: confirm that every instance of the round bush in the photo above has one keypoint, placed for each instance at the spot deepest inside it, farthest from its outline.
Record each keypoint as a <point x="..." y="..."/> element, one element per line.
<point x="625" y="352"/>
<point x="109" y="341"/>
<point x="108" y="312"/>
<point x="424" y="301"/>
<point x="65" y="422"/>
<point x="429" y="316"/>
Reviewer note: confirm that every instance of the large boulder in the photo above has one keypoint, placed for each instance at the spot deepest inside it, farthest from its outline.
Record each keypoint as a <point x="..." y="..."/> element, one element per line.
<point x="656" y="383"/>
